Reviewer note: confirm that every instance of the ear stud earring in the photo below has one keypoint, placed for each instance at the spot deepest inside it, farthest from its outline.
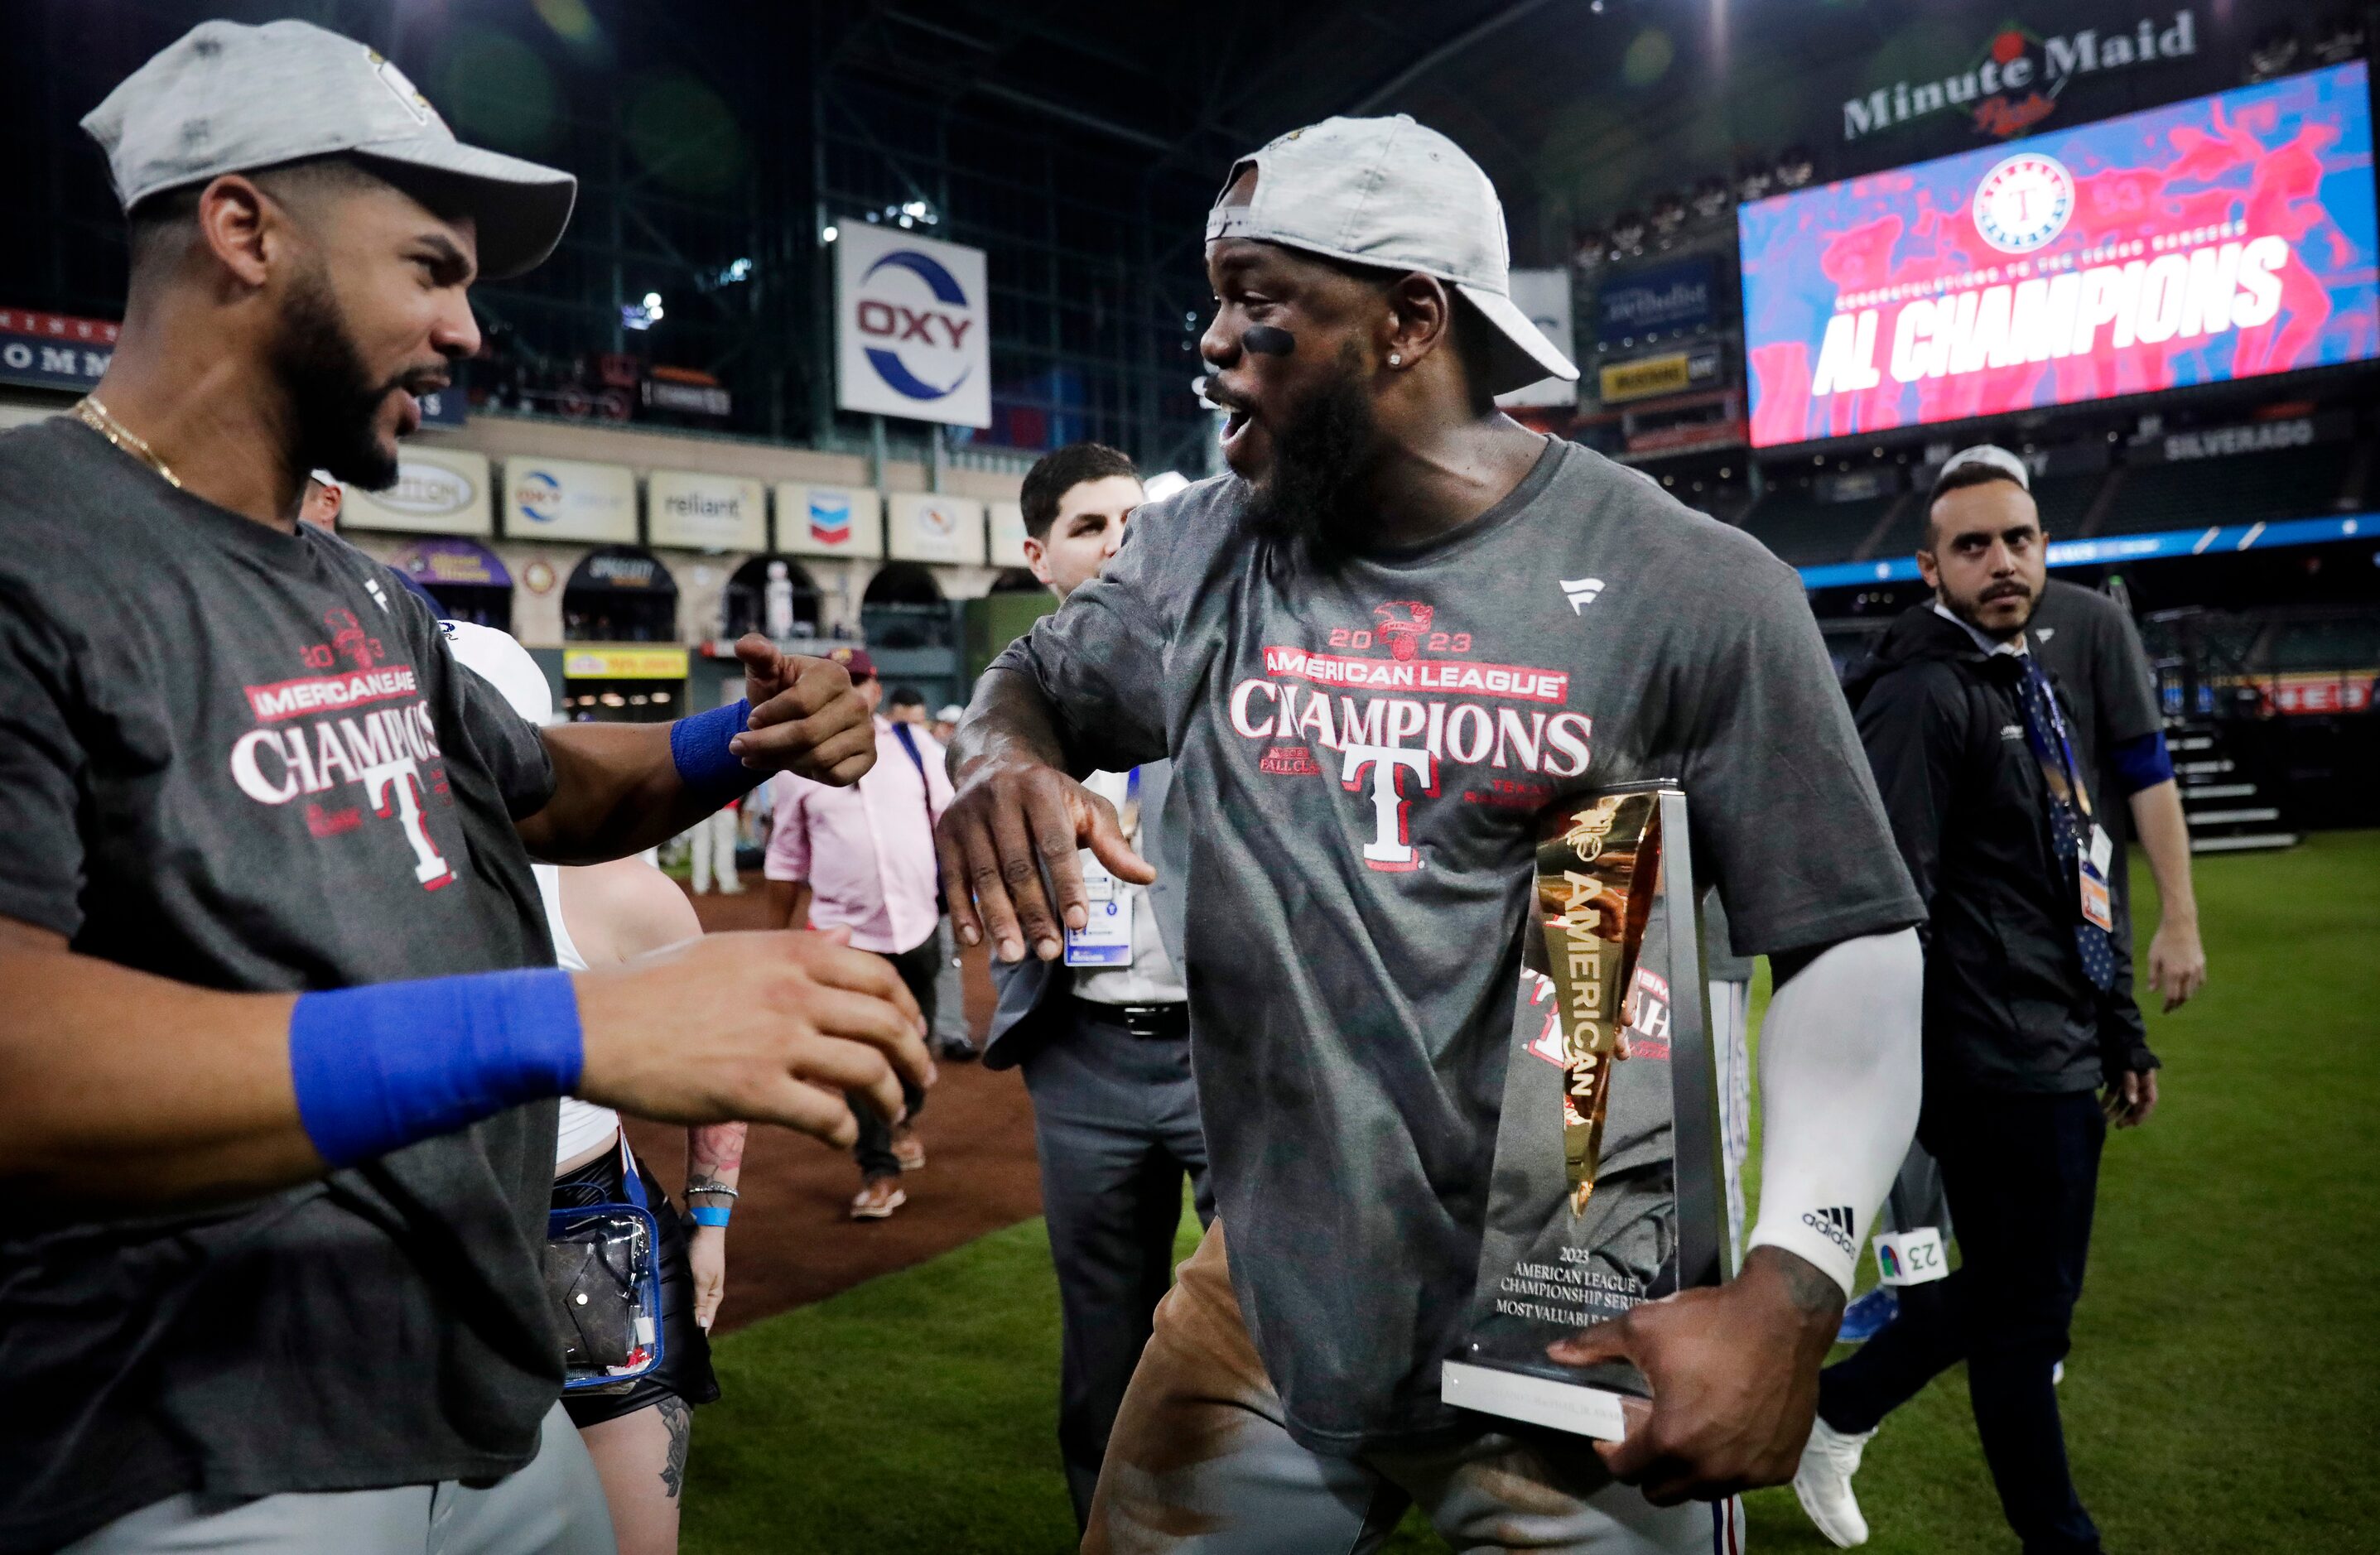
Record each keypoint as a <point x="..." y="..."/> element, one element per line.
<point x="1395" y="359"/>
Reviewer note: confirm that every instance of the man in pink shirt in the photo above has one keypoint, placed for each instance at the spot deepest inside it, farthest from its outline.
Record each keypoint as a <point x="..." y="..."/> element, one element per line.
<point x="862" y="858"/>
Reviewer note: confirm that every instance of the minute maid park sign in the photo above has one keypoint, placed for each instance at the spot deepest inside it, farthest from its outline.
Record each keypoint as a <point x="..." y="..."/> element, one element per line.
<point x="2014" y="81"/>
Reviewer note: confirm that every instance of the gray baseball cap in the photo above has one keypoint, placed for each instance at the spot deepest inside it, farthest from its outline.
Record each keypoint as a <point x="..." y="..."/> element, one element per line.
<point x="1992" y="457"/>
<point x="1399" y="196"/>
<point x="227" y="98"/>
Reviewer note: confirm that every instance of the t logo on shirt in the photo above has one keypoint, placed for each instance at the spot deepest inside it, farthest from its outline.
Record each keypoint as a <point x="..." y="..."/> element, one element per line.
<point x="1392" y="844"/>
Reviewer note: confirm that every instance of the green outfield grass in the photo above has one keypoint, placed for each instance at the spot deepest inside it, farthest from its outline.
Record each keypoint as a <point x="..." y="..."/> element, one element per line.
<point x="2224" y="1393"/>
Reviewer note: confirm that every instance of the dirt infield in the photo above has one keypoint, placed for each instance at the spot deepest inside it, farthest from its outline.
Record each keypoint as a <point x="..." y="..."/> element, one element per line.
<point x="792" y="1240"/>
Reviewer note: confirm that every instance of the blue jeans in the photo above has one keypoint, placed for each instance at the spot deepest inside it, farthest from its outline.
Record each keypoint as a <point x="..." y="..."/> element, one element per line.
<point x="2022" y="1174"/>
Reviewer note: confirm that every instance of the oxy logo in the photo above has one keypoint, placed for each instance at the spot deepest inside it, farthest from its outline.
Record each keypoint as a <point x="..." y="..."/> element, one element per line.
<point x="538" y="496"/>
<point x="919" y="342"/>
<point x="1390" y="848"/>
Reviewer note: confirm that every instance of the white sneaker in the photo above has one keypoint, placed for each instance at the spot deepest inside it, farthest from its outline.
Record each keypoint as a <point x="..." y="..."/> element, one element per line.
<point x="1823" y="1482"/>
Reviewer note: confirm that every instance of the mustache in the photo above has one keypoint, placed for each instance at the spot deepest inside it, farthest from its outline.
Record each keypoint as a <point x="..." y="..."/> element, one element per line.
<point x="423" y="379"/>
<point x="2007" y="591"/>
<point x="1209" y="388"/>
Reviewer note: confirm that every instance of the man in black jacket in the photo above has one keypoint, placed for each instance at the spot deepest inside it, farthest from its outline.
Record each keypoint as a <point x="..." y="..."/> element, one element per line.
<point x="1995" y="817"/>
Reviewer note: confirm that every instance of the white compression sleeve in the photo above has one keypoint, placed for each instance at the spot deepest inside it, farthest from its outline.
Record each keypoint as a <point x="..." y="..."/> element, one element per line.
<point x="1839" y="1080"/>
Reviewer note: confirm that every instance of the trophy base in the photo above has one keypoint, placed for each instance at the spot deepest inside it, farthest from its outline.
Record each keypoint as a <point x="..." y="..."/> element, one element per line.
<point x="1562" y="1406"/>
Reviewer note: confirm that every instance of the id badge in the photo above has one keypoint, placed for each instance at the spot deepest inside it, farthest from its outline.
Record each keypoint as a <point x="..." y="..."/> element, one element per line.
<point x="1106" y="940"/>
<point x="2097" y="908"/>
<point x="2103" y="849"/>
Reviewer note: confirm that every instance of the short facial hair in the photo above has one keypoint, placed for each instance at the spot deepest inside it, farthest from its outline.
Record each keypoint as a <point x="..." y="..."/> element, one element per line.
<point x="1319" y="458"/>
<point x="333" y="399"/>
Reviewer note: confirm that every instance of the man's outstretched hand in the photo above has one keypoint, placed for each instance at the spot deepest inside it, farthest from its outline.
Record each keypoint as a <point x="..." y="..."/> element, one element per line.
<point x="1734" y="1372"/>
<point x="805" y="718"/>
<point x="1010" y="820"/>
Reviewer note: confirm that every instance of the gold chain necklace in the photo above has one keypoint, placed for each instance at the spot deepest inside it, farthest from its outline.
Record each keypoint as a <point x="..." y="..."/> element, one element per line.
<point x="91" y="414"/>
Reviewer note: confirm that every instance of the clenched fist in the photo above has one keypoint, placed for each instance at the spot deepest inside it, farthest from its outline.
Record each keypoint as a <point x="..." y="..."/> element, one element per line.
<point x="769" y="1028"/>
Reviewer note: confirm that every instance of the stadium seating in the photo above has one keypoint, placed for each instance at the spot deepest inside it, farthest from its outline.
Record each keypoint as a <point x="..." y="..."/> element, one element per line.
<point x="2290" y="483"/>
<point x="1804" y="531"/>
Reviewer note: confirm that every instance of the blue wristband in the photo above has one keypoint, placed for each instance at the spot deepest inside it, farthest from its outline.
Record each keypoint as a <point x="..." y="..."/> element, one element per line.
<point x="710" y="1214"/>
<point x="379" y="1068"/>
<point x="698" y="750"/>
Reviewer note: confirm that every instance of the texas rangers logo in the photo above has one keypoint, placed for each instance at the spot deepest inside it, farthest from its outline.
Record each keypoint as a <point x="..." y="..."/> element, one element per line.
<point x="2023" y="201"/>
<point x="1403" y="623"/>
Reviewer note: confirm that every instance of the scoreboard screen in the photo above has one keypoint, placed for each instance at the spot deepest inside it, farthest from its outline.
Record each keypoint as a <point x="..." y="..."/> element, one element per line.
<point x="2226" y="236"/>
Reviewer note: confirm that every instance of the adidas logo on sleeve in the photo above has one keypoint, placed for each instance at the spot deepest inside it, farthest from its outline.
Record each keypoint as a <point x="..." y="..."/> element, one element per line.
<point x="1835" y="1224"/>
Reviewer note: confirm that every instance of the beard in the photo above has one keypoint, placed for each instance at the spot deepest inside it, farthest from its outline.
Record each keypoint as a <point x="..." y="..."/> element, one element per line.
<point x="1970" y="611"/>
<point x="333" y="401"/>
<point x="1311" y="498"/>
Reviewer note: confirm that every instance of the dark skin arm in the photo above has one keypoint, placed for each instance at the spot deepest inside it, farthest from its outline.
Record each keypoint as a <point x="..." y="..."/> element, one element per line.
<point x="1734" y="1370"/>
<point x="616" y="789"/>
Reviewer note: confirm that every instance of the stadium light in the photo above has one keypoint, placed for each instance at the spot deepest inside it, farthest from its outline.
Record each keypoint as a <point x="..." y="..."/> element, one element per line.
<point x="828" y="232"/>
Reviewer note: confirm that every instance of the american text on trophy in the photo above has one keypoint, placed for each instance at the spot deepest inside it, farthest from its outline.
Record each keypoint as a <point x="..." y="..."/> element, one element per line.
<point x="1608" y="1187"/>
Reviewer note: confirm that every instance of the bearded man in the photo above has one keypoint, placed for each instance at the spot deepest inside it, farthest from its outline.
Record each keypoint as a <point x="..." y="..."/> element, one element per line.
<point x="283" y="1028"/>
<point x="1377" y="652"/>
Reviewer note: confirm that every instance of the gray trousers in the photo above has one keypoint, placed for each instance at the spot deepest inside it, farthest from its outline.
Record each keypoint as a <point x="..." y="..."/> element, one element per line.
<point x="1917" y="1199"/>
<point x="1202" y="1463"/>
<point x="552" y="1507"/>
<point x="950" y="992"/>
<point x="1115" y="1122"/>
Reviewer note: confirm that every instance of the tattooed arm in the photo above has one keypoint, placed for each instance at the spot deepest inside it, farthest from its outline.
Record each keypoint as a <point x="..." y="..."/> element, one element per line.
<point x="714" y="1160"/>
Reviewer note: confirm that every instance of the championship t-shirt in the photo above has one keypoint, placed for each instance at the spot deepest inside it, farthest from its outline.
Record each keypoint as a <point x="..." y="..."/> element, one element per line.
<point x="243" y="760"/>
<point x="1364" y="753"/>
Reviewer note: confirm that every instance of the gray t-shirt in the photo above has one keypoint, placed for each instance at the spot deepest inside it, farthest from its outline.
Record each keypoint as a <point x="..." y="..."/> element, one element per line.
<point x="244" y="760"/>
<point x="2089" y="643"/>
<point x="1364" y="754"/>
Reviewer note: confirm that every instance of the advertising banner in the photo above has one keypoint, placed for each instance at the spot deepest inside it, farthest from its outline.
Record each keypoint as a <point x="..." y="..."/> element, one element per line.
<point x="1008" y="533"/>
<point x="564" y="499"/>
<point x="829" y="520"/>
<point x="2228" y="236"/>
<point x="624" y="663"/>
<point x="1661" y="300"/>
<point x="1669" y="374"/>
<point x="54" y="350"/>
<point x="926" y="528"/>
<point x="706" y="512"/>
<point x="1544" y="296"/>
<point x="438" y="491"/>
<point x="912" y="327"/>
<point x="444" y="560"/>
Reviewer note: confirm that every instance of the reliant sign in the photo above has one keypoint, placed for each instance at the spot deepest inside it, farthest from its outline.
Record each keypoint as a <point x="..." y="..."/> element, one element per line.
<point x="829" y="520"/>
<point x="1008" y="534"/>
<point x="706" y="512"/>
<point x="564" y="499"/>
<point x="2016" y="82"/>
<point x="438" y="491"/>
<point x="2229" y="236"/>
<point x="931" y="528"/>
<point x="912" y="325"/>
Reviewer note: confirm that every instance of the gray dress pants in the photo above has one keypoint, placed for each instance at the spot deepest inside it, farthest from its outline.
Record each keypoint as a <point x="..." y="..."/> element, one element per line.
<point x="1115" y="1119"/>
<point x="552" y="1507"/>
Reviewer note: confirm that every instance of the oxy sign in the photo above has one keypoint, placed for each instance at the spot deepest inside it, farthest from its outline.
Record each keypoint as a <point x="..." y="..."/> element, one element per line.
<point x="912" y="327"/>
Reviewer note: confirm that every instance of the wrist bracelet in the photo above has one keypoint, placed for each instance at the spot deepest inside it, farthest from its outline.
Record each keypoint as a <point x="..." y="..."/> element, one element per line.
<point x="693" y="1189"/>
<point x="711" y="1215"/>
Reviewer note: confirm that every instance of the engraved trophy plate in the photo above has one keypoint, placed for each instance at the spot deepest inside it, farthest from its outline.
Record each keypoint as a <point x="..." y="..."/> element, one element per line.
<point x="1608" y="1187"/>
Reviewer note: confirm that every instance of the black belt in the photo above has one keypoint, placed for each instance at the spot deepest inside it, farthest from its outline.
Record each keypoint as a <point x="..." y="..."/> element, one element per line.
<point x="1163" y="1021"/>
